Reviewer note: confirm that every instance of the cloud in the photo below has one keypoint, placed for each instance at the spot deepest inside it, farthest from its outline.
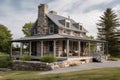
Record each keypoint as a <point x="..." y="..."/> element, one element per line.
<point x="117" y="9"/>
<point x="14" y="14"/>
<point x="15" y="19"/>
<point x="76" y="9"/>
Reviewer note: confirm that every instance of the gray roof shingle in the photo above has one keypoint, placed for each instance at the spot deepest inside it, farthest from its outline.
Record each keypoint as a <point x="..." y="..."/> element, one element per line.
<point x="60" y="21"/>
<point x="54" y="36"/>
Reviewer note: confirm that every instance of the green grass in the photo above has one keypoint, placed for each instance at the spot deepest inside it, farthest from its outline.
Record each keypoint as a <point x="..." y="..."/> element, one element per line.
<point x="94" y="74"/>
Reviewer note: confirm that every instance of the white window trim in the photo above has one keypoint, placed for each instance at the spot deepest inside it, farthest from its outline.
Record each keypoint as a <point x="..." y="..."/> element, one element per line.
<point x="50" y="30"/>
<point x="34" y="31"/>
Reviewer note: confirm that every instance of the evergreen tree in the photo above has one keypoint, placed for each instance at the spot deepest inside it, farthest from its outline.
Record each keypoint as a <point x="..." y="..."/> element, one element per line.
<point x="108" y="30"/>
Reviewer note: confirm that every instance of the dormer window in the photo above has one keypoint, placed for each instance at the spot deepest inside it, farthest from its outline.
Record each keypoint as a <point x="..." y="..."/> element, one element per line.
<point x="51" y="29"/>
<point x="67" y="23"/>
<point x="80" y="27"/>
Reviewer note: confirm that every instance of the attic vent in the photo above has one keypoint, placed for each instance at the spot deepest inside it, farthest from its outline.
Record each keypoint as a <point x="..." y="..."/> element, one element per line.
<point x="53" y="12"/>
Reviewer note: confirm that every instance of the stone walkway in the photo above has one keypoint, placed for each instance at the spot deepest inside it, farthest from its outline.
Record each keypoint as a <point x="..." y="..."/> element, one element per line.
<point x="86" y="66"/>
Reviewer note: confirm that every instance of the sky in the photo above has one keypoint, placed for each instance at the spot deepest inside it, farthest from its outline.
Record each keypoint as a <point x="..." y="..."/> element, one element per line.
<point x="15" y="13"/>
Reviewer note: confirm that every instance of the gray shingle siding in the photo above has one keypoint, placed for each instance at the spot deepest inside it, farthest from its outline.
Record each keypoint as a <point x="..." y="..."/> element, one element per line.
<point x="34" y="27"/>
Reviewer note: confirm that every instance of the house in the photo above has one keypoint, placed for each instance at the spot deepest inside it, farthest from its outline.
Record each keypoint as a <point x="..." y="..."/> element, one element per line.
<point x="60" y="36"/>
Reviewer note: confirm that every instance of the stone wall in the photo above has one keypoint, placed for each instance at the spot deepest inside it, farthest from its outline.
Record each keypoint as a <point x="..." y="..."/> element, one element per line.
<point x="37" y="65"/>
<point x="30" y="65"/>
<point x="66" y="63"/>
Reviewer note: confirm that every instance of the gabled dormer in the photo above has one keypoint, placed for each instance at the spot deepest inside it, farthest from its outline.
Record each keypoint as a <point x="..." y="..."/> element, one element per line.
<point x="78" y="26"/>
<point x="68" y="22"/>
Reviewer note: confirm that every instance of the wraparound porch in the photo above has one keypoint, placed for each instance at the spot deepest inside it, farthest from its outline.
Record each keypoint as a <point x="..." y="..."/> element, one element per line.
<point x="60" y="48"/>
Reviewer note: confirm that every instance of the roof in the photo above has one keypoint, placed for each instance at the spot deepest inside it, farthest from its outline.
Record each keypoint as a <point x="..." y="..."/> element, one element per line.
<point x="58" y="20"/>
<point x="54" y="36"/>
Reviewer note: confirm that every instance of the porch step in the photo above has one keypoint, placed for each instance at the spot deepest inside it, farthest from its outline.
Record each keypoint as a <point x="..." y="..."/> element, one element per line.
<point x="99" y="59"/>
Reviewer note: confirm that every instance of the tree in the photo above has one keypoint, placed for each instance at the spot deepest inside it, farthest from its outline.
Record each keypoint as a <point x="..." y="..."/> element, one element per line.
<point x="92" y="44"/>
<point x="26" y="28"/>
<point x="108" y="30"/>
<point x="5" y="36"/>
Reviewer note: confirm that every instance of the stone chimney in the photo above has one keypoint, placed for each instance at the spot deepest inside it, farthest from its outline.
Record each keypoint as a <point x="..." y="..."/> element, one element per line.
<point x="42" y="24"/>
<point x="42" y="11"/>
<point x="53" y="12"/>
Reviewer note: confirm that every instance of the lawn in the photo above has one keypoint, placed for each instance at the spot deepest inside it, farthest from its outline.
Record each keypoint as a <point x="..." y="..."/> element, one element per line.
<point x="94" y="74"/>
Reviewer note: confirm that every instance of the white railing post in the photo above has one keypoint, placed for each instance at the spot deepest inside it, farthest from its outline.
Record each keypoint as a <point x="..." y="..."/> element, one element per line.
<point x="89" y="47"/>
<point x="30" y="48"/>
<point x="55" y="48"/>
<point x="67" y="48"/>
<point x="41" y="48"/>
<point x="79" y="48"/>
<point x="21" y="49"/>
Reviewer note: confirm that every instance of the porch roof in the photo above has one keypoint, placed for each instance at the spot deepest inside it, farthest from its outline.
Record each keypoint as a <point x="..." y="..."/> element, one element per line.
<point x="54" y="36"/>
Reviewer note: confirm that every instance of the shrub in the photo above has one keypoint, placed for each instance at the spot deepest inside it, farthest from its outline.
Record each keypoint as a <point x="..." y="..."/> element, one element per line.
<point x="48" y="58"/>
<point x="5" y="60"/>
<point x="25" y="57"/>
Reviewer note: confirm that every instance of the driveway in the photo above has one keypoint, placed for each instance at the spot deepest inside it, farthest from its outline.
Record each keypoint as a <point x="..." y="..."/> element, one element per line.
<point x="86" y="66"/>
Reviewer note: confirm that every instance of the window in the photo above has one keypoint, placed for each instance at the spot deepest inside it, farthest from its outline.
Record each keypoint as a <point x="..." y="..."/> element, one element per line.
<point x="67" y="24"/>
<point x="51" y="29"/>
<point x="80" y="27"/>
<point x="34" y="31"/>
<point x="64" y="31"/>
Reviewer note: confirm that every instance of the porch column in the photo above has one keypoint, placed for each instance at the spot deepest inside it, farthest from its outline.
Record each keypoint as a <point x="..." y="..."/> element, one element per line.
<point x="67" y="48"/>
<point x="106" y="48"/>
<point x="103" y="48"/>
<point x="41" y="48"/>
<point x="55" y="48"/>
<point x="79" y="48"/>
<point x="11" y="49"/>
<point x="21" y="49"/>
<point x="89" y="48"/>
<point x="95" y="49"/>
<point x="30" y="48"/>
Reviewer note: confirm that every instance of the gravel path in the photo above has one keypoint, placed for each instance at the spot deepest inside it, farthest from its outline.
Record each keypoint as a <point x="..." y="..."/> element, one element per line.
<point x="86" y="66"/>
